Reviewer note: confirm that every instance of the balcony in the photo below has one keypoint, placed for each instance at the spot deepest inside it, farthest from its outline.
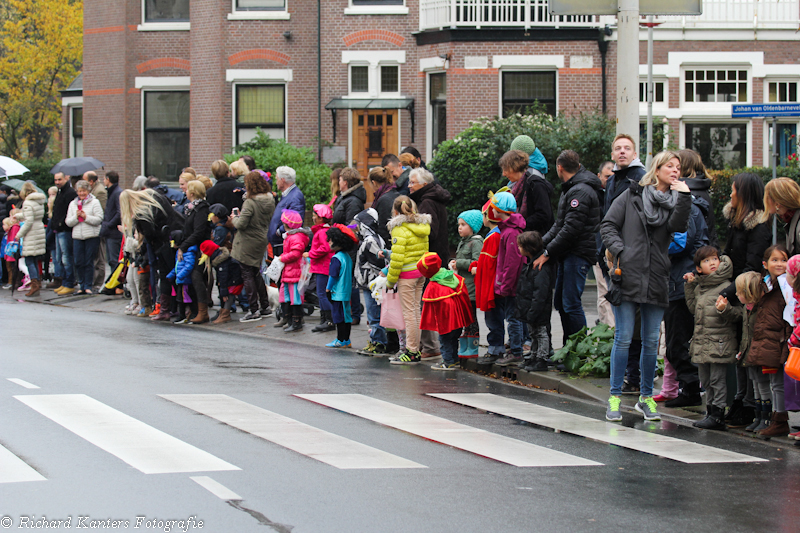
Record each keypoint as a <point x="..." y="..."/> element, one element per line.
<point x="717" y="14"/>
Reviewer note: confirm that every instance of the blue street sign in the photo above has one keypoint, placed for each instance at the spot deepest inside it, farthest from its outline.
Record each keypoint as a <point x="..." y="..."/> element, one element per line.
<point x="765" y="110"/>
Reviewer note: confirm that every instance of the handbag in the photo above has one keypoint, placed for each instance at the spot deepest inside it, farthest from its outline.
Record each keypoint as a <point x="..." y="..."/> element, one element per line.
<point x="305" y="275"/>
<point x="614" y="294"/>
<point x="392" y="311"/>
<point x="274" y="269"/>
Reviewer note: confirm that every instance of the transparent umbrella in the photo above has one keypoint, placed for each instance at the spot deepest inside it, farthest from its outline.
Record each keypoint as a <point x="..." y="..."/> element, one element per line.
<point x="9" y="167"/>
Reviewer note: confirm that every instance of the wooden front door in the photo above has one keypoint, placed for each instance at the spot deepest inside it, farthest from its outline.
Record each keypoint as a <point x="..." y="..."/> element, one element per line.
<point x="374" y="135"/>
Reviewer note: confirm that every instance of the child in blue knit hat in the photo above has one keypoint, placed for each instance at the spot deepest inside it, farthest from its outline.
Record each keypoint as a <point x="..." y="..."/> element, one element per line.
<point x="468" y="251"/>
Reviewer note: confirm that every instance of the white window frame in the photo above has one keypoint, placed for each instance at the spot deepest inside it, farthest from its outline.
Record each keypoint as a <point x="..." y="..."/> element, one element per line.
<point x="259" y="77"/>
<point x="703" y="106"/>
<point x="374" y="60"/>
<point x="779" y="79"/>
<point x="726" y="119"/>
<point x="71" y="114"/>
<point x="659" y="108"/>
<point x="237" y="14"/>
<point x="429" y="109"/>
<point x="766" y="155"/>
<point x="158" y="84"/>
<point x="350" y="79"/>
<point x="376" y="9"/>
<point x="161" y="26"/>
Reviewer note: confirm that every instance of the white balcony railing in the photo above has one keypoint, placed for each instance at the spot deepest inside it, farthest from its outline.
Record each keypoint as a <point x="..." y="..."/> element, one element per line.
<point x="717" y="14"/>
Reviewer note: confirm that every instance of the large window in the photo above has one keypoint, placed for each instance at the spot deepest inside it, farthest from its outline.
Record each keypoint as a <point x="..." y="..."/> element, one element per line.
<point x="166" y="11"/>
<point x="438" y="98"/>
<point x="390" y="79"/>
<point x="166" y="133"/>
<point x="260" y="106"/>
<point x="377" y="2"/>
<point x="359" y="79"/>
<point x="658" y="92"/>
<point x="260" y="5"/>
<point x="720" y="145"/>
<point x="715" y="85"/>
<point x="783" y="91"/>
<point x="77" y="132"/>
<point x="522" y="90"/>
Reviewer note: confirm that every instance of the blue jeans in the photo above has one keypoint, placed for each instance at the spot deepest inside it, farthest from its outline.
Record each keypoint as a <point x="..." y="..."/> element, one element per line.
<point x="84" y="260"/>
<point x="625" y="318"/>
<point x="63" y="258"/>
<point x="505" y="308"/>
<point x="448" y="343"/>
<point x="33" y="268"/>
<point x="570" y="282"/>
<point x="377" y="333"/>
<point x="322" y="284"/>
<point x="355" y="303"/>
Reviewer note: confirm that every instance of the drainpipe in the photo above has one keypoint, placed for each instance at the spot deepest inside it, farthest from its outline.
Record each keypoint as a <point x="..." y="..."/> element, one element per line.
<point x="319" y="81"/>
<point x="602" y="45"/>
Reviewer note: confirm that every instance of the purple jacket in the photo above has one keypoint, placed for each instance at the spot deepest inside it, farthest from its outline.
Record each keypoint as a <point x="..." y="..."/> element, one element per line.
<point x="509" y="261"/>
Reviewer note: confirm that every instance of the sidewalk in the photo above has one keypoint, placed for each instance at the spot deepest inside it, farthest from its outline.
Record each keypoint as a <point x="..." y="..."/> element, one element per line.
<point x="591" y="389"/>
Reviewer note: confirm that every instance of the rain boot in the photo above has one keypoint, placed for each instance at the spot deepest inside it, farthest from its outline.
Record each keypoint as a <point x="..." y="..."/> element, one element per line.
<point x="757" y="418"/>
<point x="779" y="427"/>
<point x="223" y="316"/>
<point x="463" y="346"/>
<point x="472" y="348"/>
<point x="296" y="323"/>
<point x="36" y="285"/>
<point x="766" y="416"/>
<point x="163" y="310"/>
<point x="326" y="324"/>
<point x="715" y="419"/>
<point x="202" y="314"/>
<point x="285" y="318"/>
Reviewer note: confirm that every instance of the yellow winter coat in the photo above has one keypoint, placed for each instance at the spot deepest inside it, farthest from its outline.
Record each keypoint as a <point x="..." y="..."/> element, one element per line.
<point x="409" y="244"/>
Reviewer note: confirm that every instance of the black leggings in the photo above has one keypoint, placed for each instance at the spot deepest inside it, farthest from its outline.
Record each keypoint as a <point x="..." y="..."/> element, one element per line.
<point x="343" y="331"/>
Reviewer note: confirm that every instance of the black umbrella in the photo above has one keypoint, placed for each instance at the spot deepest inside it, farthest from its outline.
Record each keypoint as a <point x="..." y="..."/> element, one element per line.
<point x="76" y="166"/>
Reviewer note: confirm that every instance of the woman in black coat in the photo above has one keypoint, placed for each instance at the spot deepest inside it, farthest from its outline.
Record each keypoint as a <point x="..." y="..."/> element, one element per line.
<point x="383" y="199"/>
<point x="195" y="231"/>
<point x="349" y="203"/>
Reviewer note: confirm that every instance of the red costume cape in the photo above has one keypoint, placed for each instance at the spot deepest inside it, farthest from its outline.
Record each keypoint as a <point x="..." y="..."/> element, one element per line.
<point x="445" y="309"/>
<point x="487" y="269"/>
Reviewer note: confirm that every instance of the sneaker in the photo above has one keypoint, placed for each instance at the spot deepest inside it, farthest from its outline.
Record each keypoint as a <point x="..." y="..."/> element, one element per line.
<point x="251" y="317"/>
<point x="629" y="388"/>
<point x="380" y="350"/>
<point x="445" y="366"/>
<point x="647" y="406"/>
<point x="395" y="356"/>
<point x="7" y="286"/>
<point x="509" y="359"/>
<point x="487" y="359"/>
<point x="661" y="398"/>
<point x="184" y="320"/>
<point x="64" y="291"/>
<point x="265" y="311"/>
<point x="537" y="365"/>
<point x="339" y="344"/>
<point x="408" y="358"/>
<point x="613" y="413"/>
<point x="369" y="349"/>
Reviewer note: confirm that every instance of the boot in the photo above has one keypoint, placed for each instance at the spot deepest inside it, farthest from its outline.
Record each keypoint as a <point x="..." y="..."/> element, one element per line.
<point x="297" y="321"/>
<point x="56" y="283"/>
<point x="688" y="396"/>
<point x="766" y="415"/>
<point x="36" y="285"/>
<point x="742" y="416"/>
<point x="156" y="310"/>
<point x="326" y="323"/>
<point x="463" y="346"/>
<point x="224" y="316"/>
<point x="778" y="427"/>
<point x="285" y="318"/>
<point x="734" y="412"/>
<point x="202" y="314"/>
<point x="163" y="311"/>
<point x="757" y="418"/>
<point x="715" y="419"/>
<point x="471" y="351"/>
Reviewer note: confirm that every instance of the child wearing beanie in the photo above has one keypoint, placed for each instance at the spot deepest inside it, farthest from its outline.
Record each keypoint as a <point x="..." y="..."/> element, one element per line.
<point x="446" y="308"/>
<point x="341" y="241"/>
<point x="468" y="251"/>
<point x="294" y="246"/>
<point x="320" y="255"/>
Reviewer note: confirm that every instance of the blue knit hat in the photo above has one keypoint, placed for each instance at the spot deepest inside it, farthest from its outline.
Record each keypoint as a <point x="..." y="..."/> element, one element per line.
<point x="504" y="202"/>
<point x="473" y="218"/>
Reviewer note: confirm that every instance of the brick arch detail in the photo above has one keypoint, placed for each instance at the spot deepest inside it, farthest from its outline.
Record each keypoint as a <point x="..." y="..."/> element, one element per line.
<point x="373" y="35"/>
<point x="164" y="62"/>
<point x="259" y="53"/>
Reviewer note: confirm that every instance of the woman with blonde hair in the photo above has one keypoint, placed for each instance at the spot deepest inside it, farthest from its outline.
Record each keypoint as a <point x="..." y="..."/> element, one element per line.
<point x="782" y="198"/>
<point x="334" y="186"/>
<point x="31" y="232"/>
<point x="238" y="168"/>
<point x="195" y="231"/>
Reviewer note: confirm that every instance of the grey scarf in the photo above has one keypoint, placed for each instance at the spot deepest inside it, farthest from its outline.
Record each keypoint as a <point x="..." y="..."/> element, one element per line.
<point x="658" y="205"/>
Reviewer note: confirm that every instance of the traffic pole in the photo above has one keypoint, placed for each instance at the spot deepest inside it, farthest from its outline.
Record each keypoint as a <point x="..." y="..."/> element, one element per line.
<point x="628" y="69"/>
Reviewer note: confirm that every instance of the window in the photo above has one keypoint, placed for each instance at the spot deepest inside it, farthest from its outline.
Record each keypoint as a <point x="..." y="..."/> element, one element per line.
<point x="166" y="11"/>
<point x="390" y="79"/>
<point x="359" y="79"/>
<point x="438" y="98"/>
<point x="260" y="5"/>
<point x="720" y="145"/>
<point x="166" y="133"/>
<point x="783" y="91"/>
<point x="260" y="106"/>
<point x="377" y="2"/>
<point x="522" y="90"/>
<point x="787" y="143"/>
<point x="658" y="92"/>
<point x="77" y="132"/>
<point x="716" y="85"/>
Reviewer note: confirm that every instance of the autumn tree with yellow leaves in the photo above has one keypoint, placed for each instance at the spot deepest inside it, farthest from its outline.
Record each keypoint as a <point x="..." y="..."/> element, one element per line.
<point x="41" y="51"/>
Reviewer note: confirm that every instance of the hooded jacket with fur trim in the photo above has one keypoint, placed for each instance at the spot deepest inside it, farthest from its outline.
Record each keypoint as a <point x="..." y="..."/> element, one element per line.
<point x="409" y="243"/>
<point x="31" y="231"/>
<point x="746" y="244"/>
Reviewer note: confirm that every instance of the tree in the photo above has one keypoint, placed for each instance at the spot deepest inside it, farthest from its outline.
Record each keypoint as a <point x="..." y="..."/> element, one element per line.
<point x="41" y="51"/>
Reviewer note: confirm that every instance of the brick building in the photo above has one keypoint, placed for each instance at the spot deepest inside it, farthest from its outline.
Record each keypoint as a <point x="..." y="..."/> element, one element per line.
<point x="165" y="86"/>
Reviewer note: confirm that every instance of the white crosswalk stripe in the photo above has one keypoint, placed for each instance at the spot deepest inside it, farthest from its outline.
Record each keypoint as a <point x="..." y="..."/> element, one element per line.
<point x="22" y="383"/>
<point x="643" y="441"/>
<point x="477" y="441"/>
<point x="216" y="488"/>
<point x="142" y="446"/>
<point x="15" y="470"/>
<point x="310" y="441"/>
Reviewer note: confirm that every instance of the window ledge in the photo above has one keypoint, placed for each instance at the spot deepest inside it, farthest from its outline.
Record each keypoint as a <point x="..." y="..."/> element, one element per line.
<point x="376" y="10"/>
<point x="164" y="26"/>
<point x="259" y="15"/>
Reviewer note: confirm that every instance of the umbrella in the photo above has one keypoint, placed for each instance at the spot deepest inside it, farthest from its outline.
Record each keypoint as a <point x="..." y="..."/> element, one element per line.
<point x="9" y="167"/>
<point x="76" y="166"/>
<point x="17" y="185"/>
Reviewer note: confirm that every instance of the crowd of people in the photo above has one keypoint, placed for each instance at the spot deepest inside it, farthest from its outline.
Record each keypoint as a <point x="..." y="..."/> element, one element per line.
<point x="648" y="235"/>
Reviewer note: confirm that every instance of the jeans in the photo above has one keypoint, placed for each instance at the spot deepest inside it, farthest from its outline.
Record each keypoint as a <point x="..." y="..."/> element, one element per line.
<point x="377" y="333"/>
<point x="505" y="308"/>
<point x="255" y="286"/>
<point x="322" y="284"/>
<point x="625" y="318"/>
<point x="33" y="268"/>
<point x="449" y="346"/>
<point x="84" y="260"/>
<point x="355" y="303"/>
<point x="63" y="258"/>
<point x="570" y="282"/>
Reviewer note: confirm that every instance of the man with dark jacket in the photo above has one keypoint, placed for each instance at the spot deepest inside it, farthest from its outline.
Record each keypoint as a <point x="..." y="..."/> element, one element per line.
<point x="572" y="239"/>
<point x="112" y="219"/>
<point x="432" y="199"/>
<point x="227" y="191"/>
<point x="291" y="198"/>
<point x="64" y="272"/>
<point x="627" y="168"/>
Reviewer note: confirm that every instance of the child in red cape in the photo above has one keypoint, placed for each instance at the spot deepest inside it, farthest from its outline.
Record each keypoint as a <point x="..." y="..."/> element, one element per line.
<point x="446" y="308"/>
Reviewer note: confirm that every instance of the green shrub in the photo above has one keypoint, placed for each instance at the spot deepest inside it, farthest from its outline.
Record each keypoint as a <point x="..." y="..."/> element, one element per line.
<point x="467" y="165"/>
<point x="313" y="178"/>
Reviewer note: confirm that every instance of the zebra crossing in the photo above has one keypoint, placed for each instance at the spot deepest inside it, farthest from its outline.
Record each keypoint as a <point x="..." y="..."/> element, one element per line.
<point x="153" y="451"/>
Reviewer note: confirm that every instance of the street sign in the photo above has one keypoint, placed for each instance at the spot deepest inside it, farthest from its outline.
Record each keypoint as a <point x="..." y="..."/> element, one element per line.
<point x="765" y="110"/>
<point x="610" y="7"/>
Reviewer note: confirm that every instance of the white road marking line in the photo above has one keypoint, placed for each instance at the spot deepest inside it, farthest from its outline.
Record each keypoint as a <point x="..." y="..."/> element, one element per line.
<point x="214" y="487"/>
<point x="142" y="446"/>
<point x="22" y="383"/>
<point x="477" y="441"/>
<point x="310" y="441"/>
<point x="14" y="470"/>
<point x="634" y="439"/>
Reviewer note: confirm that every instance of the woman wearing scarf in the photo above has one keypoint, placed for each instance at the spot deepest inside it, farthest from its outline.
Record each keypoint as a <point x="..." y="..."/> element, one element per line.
<point x="195" y="231"/>
<point x="530" y="188"/>
<point x="637" y="231"/>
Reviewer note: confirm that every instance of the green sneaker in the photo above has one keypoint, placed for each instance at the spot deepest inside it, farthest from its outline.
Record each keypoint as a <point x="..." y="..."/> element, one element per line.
<point x="408" y="358"/>
<point x="647" y="406"/>
<point x="369" y="349"/>
<point x="613" y="413"/>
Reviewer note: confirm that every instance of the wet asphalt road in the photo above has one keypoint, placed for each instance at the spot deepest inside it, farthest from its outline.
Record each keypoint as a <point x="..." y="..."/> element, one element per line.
<point x="126" y="363"/>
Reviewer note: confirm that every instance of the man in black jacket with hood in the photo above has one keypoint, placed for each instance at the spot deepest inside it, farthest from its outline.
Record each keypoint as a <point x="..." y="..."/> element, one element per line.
<point x="572" y="239"/>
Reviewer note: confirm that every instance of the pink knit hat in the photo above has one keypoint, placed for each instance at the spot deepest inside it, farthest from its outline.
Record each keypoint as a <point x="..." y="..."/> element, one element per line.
<point x="291" y="219"/>
<point x="323" y="211"/>
<point x="793" y="266"/>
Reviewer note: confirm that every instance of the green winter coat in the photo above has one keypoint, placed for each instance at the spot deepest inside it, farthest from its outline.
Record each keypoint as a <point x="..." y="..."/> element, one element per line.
<point x="409" y="244"/>
<point x="250" y="242"/>
<point x="714" y="338"/>
<point x="468" y="251"/>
